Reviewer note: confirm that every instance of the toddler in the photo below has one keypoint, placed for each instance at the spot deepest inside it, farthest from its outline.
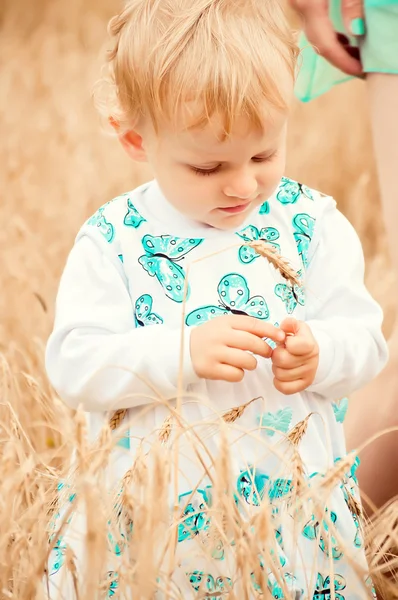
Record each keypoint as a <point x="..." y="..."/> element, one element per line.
<point x="165" y="291"/>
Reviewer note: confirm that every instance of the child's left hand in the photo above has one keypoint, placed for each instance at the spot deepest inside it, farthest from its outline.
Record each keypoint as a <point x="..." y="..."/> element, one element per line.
<point x="296" y="362"/>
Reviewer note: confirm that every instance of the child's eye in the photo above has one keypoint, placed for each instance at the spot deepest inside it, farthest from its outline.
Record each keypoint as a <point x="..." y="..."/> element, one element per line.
<point x="205" y="171"/>
<point x="260" y="159"/>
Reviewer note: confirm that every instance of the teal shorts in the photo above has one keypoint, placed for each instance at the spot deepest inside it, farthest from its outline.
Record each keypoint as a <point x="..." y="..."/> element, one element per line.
<point x="378" y="49"/>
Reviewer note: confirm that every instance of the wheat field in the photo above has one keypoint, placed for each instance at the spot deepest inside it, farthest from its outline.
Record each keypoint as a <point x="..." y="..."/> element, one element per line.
<point x="57" y="166"/>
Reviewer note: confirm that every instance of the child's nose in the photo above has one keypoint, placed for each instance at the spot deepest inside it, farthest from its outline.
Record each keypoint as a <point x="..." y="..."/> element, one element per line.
<point x="243" y="186"/>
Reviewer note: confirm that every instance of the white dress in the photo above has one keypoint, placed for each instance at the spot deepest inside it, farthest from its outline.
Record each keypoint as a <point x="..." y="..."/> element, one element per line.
<point x="117" y="337"/>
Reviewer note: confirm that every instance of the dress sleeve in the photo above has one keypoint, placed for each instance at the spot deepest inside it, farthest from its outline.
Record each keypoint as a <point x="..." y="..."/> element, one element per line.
<point x="343" y="317"/>
<point x="96" y="357"/>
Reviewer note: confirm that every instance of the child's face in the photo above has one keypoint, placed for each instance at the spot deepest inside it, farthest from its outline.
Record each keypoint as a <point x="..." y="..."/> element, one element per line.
<point x="215" y="182"/>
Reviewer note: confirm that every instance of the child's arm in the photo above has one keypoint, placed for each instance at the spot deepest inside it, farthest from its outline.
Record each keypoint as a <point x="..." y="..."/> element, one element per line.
<point x="96" y="356"/>
<point x="343" y="317"/>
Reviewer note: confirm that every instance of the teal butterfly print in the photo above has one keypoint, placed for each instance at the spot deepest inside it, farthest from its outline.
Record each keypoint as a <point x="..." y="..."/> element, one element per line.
<point x="213" y="546"/>
<point x="234" y="297"/>
<point x="276" y="589"/>
<point x="105" y="227"/>
<point x="252" y="485"/>
<point x="280" y="556"/>
<point x="279" y="488"/>
<point x="273" y="585"/>
<point x="340" y="409"/>
<point x="161" y="258"/>
<point x="369" y="584"/>
<point x="57" y="556"/>
<point x="208" y="585"/>
<point x="120" y="257"/>
<point x="218" y="551"/>
<point x="194" y="519"/>
<point x="311" y="532"/>
<point x="290" y="295"/>
<point x="290" y="191"/>
<point x="270" y="342"/>
<point x="358" y="535"/>
<point x="349" y="497"/>
<point x="251" y="234"/>
<point x="143" y="312"/>
<point x="303" y="225"/>
<point x="133" y="217"/>
<point x="324" y="587"/>
<point x="112" y="583"/>
<point x="350" y="479"/>
<point x="119" y="544"/>
<point x="72" y="496"/>
<point x="278" y="536"/>
<point x="353" y="470"/>
<point x="352" y="473"/>
<point x="124" y="442"/>
<point x="276" y="421"/>
<point x="264" y="208"/>
<point x="279" y="541"/>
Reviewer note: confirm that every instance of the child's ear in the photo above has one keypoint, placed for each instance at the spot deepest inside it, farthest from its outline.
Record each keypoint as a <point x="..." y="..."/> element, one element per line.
<point x="131" y="142"/>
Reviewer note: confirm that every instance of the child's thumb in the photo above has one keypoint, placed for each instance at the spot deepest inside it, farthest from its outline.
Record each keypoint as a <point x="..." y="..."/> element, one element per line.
<point x="290" y="325"/>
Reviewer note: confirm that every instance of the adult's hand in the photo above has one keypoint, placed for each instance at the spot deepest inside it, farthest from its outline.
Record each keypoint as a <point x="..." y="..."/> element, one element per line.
<point x="331" y="45"/>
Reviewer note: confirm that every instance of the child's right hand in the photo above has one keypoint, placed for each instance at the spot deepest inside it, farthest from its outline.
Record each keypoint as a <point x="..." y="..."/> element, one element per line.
<point x="223" y="348"/>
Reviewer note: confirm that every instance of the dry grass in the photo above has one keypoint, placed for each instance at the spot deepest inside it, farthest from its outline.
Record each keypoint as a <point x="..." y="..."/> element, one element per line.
<point x="57" y="167"/>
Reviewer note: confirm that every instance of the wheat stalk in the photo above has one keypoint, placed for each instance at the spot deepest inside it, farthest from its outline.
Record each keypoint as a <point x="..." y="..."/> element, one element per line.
<point x="232" y="415"/>
<point x="296" y="434"/>
<point x="117" y="418"/>
<point x="353" y="504"/>
<point x="165" y="430"/>
<point x="277" y="261"/>
<point x="334" y="475"/>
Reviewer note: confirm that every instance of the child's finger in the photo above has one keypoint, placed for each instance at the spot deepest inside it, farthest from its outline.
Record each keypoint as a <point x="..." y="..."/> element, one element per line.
<point x="281" y="357"/>
<point x="229" y="373"/>
<point x="289" y="387"/>
<point x="290" y="326"/>
<point x="290" y="374"/>
<point x="299" y="345"/>
<point x="258" y="327"/>
<point x="238" y="359"/>
<point x="249" y="342"/>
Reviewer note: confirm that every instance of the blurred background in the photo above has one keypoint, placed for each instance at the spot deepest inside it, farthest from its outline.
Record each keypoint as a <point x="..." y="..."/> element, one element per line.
<point x="58" y="164"/>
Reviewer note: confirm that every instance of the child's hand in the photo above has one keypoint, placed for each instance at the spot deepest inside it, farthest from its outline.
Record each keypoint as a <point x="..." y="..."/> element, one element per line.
<point x="223" y="348"/>
<point x="295" y="364"/>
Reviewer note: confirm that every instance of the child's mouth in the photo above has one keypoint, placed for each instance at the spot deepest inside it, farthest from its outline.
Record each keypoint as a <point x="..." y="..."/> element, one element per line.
<point x="235" y="209"/>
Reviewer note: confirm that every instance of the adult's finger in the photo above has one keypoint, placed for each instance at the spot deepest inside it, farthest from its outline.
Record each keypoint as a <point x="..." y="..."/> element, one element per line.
<point x="320" y="33"/>
<point x="353" y="16"/>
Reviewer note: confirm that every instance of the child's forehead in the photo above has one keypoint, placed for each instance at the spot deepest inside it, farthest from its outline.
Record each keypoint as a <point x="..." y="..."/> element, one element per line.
<point x="209" y="140"/>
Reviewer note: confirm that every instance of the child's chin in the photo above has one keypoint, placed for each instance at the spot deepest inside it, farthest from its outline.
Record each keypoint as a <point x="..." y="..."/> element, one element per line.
<point x="228" y="222"/>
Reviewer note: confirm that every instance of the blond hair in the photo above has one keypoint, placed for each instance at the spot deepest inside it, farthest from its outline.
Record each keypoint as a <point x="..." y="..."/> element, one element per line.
<point x="228" y="56"/>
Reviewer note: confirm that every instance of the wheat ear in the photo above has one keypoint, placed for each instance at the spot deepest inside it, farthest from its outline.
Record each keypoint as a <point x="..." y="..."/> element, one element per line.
<point x="117" y="418"/>
<point x="276" y="260"/>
